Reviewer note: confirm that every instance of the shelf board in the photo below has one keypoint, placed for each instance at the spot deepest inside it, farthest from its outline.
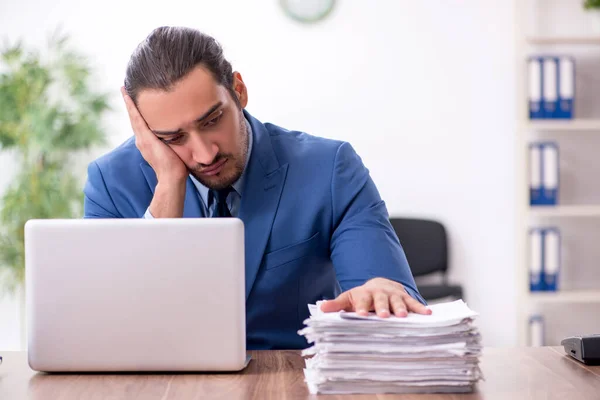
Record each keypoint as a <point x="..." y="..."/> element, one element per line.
<point x="565" y="211"/>
<point x="577" y="40"/>
<point x="564" y="125"/>
<point x="566" y="296"/>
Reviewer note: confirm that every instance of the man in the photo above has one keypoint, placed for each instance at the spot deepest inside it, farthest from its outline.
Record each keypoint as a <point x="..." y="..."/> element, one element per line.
<point x="315" y="225"/>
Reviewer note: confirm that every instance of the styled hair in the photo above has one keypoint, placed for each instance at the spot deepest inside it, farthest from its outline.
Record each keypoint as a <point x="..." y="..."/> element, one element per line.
<point x="168" y="54"/>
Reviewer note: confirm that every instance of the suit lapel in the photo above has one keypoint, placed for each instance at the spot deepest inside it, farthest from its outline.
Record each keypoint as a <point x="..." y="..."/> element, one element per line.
<point x="191" y="205"/>
<point x="260" y="199"/>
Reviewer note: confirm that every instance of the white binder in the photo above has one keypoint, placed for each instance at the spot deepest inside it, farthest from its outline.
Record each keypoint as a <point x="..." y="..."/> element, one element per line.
<point x="535" y="174"/>
<point x="536" y="281"/>
<point x="536" y="110"/>
<point x="536" y="330"/>
<point x="566" y="87"/>
<point x="550" y="173"/>
<point x="550" y="89"/>
<point x="551" y="265"/>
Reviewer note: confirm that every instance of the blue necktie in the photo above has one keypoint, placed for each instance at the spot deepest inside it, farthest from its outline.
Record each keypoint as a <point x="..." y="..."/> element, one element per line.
<point x="221" y="209"/>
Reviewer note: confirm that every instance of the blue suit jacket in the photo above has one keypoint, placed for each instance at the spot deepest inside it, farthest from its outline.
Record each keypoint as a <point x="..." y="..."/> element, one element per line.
<point x="314" y="224"/>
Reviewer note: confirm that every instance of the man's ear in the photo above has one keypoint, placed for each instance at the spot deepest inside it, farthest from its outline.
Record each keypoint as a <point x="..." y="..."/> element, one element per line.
<point x="240" y="89"/>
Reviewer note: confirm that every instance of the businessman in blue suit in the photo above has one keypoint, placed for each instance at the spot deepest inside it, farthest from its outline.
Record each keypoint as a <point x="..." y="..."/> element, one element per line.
<point x="315" y="225"/>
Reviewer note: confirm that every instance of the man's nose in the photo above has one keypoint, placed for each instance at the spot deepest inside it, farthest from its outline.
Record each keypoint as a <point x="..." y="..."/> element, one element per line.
<point x="204" y="151"/>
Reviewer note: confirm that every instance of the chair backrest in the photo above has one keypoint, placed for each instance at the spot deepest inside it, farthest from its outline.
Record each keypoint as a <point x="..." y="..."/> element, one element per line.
<point x="425" y="244"/>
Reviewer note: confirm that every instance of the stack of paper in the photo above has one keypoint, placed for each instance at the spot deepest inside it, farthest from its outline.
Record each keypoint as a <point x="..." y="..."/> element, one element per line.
<point x="437" y="353"/>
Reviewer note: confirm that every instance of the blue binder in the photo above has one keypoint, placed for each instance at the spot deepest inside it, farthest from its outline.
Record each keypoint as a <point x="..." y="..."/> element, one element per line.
<point x="550" y="173"/>
<point x="536" y="107"/>
<point x="535" y="174"/>
<point x="551" y="259"/>
<point x="566" y="87"/>
<point x="536" y="255"/>
<point x="550" y="87"/>
<point x="536" y="330"/>
<point x="543" y="173"/>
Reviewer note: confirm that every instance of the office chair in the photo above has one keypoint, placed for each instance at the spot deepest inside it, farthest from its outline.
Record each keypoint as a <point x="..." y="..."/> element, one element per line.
<point x="425" y="244"/>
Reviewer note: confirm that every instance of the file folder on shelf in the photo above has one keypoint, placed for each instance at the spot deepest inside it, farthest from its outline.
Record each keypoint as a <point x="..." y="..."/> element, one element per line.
<point x="544" y="259"/>
<point x="566" y="87"/>
<point x="535" y="174"/>
<point x="551" y="259"/>
<point x="543" y="174"/>
<point x="535" y="88"/>
<point x="550" y="173"/>
<point x="536" y="277"/>
<point x="551" y="86"/>
<point x="536" y="330"/>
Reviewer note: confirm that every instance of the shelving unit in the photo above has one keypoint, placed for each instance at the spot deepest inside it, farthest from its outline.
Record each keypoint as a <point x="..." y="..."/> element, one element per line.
<point x="527" y="216"/>
<point x="567" y="296"/>
<point x="566" y="40"/>
<point x="565" y="211"/>
<point x="590" y="125"/>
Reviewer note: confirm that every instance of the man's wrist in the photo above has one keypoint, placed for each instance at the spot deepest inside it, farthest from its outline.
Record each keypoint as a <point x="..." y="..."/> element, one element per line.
<point x="171" y="181"/>
<point x="168" y="199"/>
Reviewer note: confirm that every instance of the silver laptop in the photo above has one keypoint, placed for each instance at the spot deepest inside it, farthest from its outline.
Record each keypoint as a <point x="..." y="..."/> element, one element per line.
<point x="136" y="295"/>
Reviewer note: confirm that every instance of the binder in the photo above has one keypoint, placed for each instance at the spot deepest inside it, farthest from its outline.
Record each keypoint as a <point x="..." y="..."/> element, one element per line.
<point x="550" y="87"/>
<point x="535" y="175"/>
<point x="536" y="330"/>
<point x="536" y="271"/>
<point x="536" y="110"/>
<point x="551" y="92"/>
<point x="549" y="173"/>
<point x="566" y="87"/>
<point x="551" y="258"/>
<point x="543" y="173"/>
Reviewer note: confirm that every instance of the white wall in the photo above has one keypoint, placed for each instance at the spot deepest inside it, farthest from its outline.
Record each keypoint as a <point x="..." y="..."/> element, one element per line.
<point x="423" y="90"/>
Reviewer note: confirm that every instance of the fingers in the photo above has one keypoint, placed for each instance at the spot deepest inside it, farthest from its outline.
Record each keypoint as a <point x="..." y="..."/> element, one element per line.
<point x="362" y="300"/>
<point x="415" y="306"/>
<point x="381" y="301"/>
<point x="130" y="105"/>
<point x="342" y="302"/>
<point x="398" y="305"/>
<point x="357" y="299"/>
<point x="380" y="296"/>
<point x="138" y="124"/>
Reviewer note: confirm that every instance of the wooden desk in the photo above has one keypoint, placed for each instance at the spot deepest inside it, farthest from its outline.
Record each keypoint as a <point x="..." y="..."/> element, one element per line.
<point x="526" y="373"/>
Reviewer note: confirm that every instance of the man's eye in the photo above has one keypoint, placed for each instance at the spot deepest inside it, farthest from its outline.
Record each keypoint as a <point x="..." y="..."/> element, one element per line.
<point x="213" y="121"/>
<point x="175" y="140"/>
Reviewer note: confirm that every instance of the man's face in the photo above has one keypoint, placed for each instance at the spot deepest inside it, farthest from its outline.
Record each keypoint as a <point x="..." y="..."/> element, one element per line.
<point x="200" y="121"/>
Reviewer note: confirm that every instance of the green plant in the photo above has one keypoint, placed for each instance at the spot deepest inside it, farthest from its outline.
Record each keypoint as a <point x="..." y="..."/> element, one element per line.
<point x="48" y="113"/>
<point x="590" y="4"/>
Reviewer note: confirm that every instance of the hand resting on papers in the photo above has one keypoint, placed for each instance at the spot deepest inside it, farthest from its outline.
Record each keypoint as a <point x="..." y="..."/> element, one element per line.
<point x="380" y="295"/>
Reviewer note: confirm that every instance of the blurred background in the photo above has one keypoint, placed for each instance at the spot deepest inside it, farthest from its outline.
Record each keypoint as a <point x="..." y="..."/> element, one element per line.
<point x="432" y="95"/>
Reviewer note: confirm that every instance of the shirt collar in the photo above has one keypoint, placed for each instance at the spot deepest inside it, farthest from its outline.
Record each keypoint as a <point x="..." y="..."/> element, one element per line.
<point x="237" y="185"/>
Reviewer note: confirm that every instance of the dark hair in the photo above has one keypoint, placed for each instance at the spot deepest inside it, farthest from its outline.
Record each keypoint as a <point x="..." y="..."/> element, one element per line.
<point x="170" y="53"/>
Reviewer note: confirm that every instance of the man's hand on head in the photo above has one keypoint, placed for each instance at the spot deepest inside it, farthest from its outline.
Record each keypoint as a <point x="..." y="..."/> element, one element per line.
<point x="381" y="295"/>
<point x="171" y="172"/>
<point x="166" y="164"/>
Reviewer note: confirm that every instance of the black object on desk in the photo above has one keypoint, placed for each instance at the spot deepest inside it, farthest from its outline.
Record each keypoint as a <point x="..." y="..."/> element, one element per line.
<point x="583" y="348"/>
